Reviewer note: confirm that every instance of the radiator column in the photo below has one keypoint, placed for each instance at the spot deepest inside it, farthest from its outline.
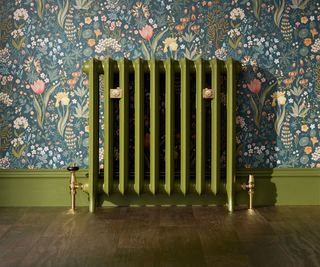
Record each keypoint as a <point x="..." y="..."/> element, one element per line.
<point x="169" y="129"/>
<point x="154" y="126"/>
<point x="231" y="130"/>
<point x="200" y="127"/>
<point x="108" y="66"/>
<point x="139" y="125"/>
<point x="123" y="66"/>
<point x="185" y="125"/>
<point x="93" y="68"/>
<point x="215" y="66"/>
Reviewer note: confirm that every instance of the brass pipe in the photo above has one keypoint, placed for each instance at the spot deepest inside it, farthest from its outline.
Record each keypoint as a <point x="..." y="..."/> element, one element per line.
<point x="73" y="186"/>
<point x="250" y="186"/>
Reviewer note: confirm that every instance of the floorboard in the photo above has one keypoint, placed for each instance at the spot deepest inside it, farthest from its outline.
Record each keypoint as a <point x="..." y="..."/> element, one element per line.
<point x="160" y="236"/>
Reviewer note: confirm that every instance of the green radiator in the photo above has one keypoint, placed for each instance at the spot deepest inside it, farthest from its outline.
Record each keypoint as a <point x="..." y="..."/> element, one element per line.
<point x="139" y="182"/>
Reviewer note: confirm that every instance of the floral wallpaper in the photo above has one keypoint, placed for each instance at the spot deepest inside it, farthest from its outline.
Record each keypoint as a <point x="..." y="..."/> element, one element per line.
<point x="44" y="94"/>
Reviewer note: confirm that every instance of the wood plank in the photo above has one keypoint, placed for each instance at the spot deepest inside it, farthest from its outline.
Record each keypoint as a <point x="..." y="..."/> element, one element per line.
<point x="161" y="236"/>
<point x="180" y="246"/>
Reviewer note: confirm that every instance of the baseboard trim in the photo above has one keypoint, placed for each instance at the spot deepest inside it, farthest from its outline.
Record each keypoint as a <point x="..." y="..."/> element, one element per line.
<point x="43" y="187"/>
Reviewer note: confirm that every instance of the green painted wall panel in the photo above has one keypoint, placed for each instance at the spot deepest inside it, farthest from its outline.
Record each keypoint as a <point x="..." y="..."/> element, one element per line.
<point x="50" y="188"/>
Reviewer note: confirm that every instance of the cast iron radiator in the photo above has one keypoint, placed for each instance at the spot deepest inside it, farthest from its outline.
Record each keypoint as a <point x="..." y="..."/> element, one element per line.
<point x="150" y="78"/>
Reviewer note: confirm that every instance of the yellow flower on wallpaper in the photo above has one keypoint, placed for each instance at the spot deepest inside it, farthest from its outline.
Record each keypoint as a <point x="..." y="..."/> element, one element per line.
<point x="62" y="98"/>
<point x="304" y="128"/>
<point x="170" y="43"/>
<point x="304" y="19"/>
<point x="87" y="20"/>
<point x="91" y="42"/>
<point x="307" y="41"/>
<point x="279" y="97"/>
<point x="314" y="32"/>
<point x="97" y="32"/>
<point x="308" y="150"/>
<point x="314" y="140"/>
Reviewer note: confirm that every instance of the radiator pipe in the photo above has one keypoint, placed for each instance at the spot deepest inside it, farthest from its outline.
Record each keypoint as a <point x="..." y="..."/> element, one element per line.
<point x="73" y="186"/>
<point x="250" y="187"/>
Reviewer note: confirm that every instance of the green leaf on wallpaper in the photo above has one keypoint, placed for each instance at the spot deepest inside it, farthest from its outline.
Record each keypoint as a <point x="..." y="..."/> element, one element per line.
<point x="296" y="91"/>
<point x="80" y="91"/>
<point x="38" y="111"/>
<point x="279" y="120"/>
<point x="188" y="37"/>
<point x="145" y="51"/>
<point x="82" y="4"/>
<point x="40" y="7"/>
<point x="256" y="4"/>
<point x="63" y="121"/>
<point x="18" y="153"/>
<point x="255" y="111"/>
<point x="239" y="149"/>
<point x="217" y="28"/>
<point x="265" y="93"/>
<point x="62" y="12"/>
<point x="299" y="4"/>
<point x="191" y="55"/>
<point x="156" y="40"/>
<point x="279" y="8"/>
<point x="81" y="111"/>
<point x="5" y="138"/>
<point x="18" y="44"/>
<point x="233" y="44"/>
<point x="53" y="73"/>
<point x="299" y="110"/>
<point x="5" y="29"/>
<point x="48" y="93"/>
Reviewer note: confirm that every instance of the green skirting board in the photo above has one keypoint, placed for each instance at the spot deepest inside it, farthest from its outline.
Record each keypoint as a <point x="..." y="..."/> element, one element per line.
<point x="50" y="188"/>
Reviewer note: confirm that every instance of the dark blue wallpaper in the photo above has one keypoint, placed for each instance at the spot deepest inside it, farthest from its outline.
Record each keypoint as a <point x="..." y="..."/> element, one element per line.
<point x="44" y="94"/>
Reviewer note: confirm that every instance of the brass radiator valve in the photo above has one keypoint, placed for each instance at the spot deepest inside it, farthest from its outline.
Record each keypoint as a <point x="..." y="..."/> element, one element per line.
<point x="73" y="186"/>
<point x="250" y="188"/>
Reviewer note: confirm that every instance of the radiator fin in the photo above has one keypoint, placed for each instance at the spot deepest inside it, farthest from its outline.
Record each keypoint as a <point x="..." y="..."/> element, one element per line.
<point x="200" y="127"/>
<point x="154" y="125"/>
<point x="123" y="66"/>
<point x="108" y="125"/>
<point x="139" y="125"/>
<point x="169" y="129"/>
<point x="185" y="125"/>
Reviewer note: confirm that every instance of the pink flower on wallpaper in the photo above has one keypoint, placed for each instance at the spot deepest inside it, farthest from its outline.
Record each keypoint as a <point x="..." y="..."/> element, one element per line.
<point x="38" y="87"/>
<point x="254" y="86"/>
<point x="146" y="32"/>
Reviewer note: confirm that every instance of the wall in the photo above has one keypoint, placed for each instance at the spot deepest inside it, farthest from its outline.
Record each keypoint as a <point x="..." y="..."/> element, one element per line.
<point x="43" y="98"/>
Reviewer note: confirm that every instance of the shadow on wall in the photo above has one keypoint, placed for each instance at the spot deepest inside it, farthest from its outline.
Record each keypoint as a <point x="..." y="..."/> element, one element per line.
<point x="260" y="115"/>
<point x="260" y="119"/>
<point x="265" y="191"/>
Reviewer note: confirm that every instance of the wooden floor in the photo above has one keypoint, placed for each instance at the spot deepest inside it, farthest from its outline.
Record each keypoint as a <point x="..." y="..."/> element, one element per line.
<point x="160" y="236"/>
